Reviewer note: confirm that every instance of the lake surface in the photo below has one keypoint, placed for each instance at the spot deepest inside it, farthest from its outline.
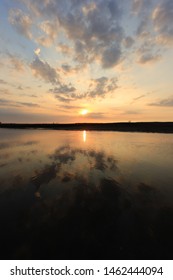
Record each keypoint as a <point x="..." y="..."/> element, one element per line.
<point x="86" y="195"/>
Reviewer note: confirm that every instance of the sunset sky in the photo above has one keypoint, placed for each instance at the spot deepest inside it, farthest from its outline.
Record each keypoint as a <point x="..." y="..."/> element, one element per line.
<point x="86" y="61"/>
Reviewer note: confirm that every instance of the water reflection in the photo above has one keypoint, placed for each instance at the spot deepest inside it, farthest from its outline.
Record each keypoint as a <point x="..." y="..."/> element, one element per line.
<point x="72" y="202"/>
<point x="84" y="135"/>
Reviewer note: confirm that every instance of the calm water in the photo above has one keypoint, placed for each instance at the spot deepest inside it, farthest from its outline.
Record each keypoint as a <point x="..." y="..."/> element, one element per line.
<point x="86" y="195"/>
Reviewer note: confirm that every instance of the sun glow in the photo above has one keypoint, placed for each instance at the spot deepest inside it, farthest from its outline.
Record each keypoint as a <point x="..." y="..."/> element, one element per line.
<point x="84" y="112"/>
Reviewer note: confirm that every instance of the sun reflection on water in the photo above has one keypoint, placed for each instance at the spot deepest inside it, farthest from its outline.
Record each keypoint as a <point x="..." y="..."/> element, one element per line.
<point x="84" y="135"/>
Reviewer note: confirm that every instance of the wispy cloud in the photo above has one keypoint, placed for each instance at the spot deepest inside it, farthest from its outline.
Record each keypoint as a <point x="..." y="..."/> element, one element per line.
<point x="162" y="19"/>
<point x="149" y="58"/>
<point x="28" y="104"/>
<point x="21" y="21"/>
<point x="16" y="62"/>
<point x="163" y="103"/>
<point x="2" y="82"/>
<point x="7" y="102"/>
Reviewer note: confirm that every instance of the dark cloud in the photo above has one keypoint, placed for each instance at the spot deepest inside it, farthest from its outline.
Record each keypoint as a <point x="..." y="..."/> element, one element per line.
<point x="68" y="69"/>
<point x="64" y="89"/>
<point x="101" y="86"/>
<point x="64" y="99"/>
<point x="98" y="89"/>
<point x="44" y="71"/>
<point x="111" y="56"/>
<point x="140" y="7"/>
<point x="128" y="42"/>
<point x="28" y="104"/>
<point x="142" y="30"/>
<point x="65" y="93"/>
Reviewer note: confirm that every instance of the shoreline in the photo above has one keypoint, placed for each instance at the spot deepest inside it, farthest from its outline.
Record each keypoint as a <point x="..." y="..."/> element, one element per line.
<point x="152" y="127"/>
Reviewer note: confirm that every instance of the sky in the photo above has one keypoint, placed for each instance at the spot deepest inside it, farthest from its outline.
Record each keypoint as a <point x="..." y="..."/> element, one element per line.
<point x="67" y="61"/>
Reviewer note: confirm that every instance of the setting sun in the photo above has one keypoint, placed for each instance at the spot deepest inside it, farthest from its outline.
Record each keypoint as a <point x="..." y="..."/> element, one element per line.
<point x="84" y="112"/>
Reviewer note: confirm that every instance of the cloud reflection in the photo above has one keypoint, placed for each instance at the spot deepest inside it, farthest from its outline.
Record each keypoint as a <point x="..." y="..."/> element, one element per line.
<point x="65" y="211"/>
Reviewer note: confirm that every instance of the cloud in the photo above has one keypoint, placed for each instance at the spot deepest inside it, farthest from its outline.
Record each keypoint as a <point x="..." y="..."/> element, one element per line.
<point x="81" y="22"/>
<point x="44" y="41"/>
<point x="128" y="42"/>
<point x="50" y="33"/>
<point x="70" y="107"/>
<point x="139" y="97"/>
<point x="5" y="91"/>
<point x="111" y="56"/>
<point x="20" y="87"/>
<point x="21" y="22"/>
<point x="66" y="93"/>
<point x="11" y="103"/>
<point x="97" y="115"/>
<point x="163" y="103"/>
<point x="65" y="49"/>
<point x="68" y="69"/>
<point x="2" y="82"/>
<point x="149" y="58"/>
<point x="3" y="100"/>
<point x="98" y="88"/>
<point x="101" y="86"/>
<point x="140" y="6"/>
<point x="16" y="62"/>
<point x="142" y="29"/>
<point x="28" y="104"/>
<point x="43" y="70"/>
<point x="162" y="19"/>
<point x="8" y="103"/>
<point x="131" y="112"/>
<point x="147" y="54"/>
<point x="64" y="89"/>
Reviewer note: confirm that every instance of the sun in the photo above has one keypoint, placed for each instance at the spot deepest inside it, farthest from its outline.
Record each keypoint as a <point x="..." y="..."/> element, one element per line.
<point x="84" y="112"/>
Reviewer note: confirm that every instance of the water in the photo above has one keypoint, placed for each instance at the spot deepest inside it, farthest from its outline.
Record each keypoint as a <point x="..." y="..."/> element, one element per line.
<point x="85" y="195"/>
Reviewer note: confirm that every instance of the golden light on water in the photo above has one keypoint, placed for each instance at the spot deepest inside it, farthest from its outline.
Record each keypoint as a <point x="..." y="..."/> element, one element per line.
<point x="84" y="135"/>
